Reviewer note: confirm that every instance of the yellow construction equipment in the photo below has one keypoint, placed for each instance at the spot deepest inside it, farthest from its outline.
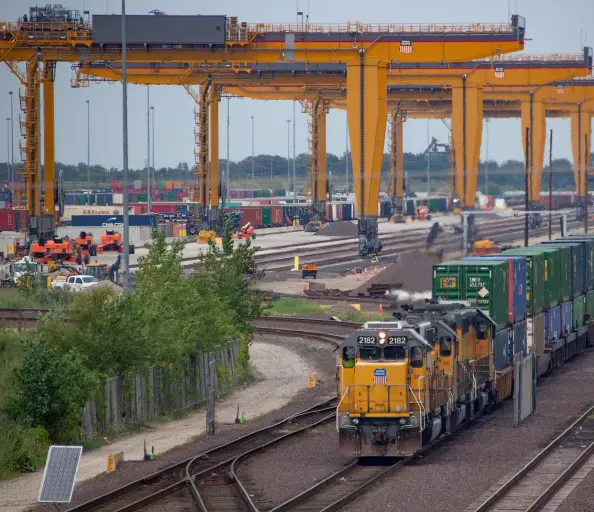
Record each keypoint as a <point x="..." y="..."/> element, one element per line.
<point x="207" y="236"/>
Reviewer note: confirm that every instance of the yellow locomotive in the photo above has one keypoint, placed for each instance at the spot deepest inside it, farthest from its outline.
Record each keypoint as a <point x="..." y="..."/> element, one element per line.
<point x="402" y="383"/>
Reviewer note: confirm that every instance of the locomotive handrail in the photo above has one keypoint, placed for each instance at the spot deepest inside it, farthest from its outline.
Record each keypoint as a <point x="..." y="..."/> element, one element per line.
<point x="421" y="408"/>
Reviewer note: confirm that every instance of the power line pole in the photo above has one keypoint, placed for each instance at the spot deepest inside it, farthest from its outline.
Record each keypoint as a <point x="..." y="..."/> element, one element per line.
<point x="126" y="263"/>
<point x="88" y="152"/>
<point x="152" y="167"/>
<point x="8" y="168"/>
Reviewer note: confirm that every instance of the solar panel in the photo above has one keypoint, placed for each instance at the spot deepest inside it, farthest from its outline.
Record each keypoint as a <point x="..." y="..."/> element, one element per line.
<point x="59" y="475"/>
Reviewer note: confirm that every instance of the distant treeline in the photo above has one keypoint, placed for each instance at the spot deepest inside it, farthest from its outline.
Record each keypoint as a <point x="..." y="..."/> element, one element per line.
<point x="273" y="169"/>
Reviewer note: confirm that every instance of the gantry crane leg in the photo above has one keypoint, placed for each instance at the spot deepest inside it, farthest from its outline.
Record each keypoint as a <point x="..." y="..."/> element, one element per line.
<point x="581" y="131"/>
<point x="203" y="150"/>
<point x="29" y="102"/>
<point x="49" y="186"/>
<point x="366" y="112"/>
<point x="397" y="160"/>
<point x="213" y="175"/>
<point x="467" y="131"/>
<point x="534" y="118"/>
<point x="318" y="157"/>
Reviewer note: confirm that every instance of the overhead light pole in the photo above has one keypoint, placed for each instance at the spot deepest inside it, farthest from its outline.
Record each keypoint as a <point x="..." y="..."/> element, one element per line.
<point x="12" y="169"/>
<point x="346" y="161"/>
<point x="152" y="167"/>
<point x="88" y="152"/>
<point x="253" y="188"/>
<point x="227" y="165"/>
<point x="126" y="228"/>
<point x="294" y="154"/>
<point x="148" y="148"/>
<point x="8" y="168"/>
<point x="288" y="157"/>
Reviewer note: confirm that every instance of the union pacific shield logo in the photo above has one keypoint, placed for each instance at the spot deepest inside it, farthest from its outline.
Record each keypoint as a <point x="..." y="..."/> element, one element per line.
<point x="379" y="377"/>
<point x="406" y="47"/>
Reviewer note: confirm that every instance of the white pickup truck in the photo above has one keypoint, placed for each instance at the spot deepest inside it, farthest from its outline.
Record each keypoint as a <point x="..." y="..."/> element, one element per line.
<point x="75" y="283"/>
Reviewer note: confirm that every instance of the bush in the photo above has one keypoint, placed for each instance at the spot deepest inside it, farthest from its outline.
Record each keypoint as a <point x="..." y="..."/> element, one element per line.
<point x="49" y="390"/>
<point x="22" y="450"/>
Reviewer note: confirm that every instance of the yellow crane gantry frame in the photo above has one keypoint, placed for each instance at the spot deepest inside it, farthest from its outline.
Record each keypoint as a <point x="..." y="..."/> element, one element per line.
<point x="327" y="84"/>
<point x="365" y="49"/>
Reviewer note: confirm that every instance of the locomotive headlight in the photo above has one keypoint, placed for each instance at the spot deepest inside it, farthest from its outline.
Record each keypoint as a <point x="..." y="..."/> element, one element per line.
<point x="402" y="421"/>
<point x="355" y="421"/>
<point x="382" y="337"/>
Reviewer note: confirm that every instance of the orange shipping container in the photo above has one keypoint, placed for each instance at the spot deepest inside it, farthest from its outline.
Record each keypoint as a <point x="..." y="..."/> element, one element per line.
<point x="277" y="216"/>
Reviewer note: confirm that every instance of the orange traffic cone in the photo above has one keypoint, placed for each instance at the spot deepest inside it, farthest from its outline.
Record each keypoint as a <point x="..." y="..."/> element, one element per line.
<point x="355" y="271"/>
<point x="380" y="308"/>
<point x="365" y="272"/>
<point x="358" y="278"/>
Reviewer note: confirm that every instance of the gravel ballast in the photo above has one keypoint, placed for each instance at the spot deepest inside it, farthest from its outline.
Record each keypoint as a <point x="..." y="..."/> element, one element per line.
<point x="338" y="228"/>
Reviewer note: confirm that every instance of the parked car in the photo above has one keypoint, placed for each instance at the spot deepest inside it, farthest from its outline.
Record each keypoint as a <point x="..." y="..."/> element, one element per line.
<point x="75" y="283"/>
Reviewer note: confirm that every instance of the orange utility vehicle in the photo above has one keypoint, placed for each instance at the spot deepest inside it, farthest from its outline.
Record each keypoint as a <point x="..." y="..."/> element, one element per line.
<point x="245" y="231"/>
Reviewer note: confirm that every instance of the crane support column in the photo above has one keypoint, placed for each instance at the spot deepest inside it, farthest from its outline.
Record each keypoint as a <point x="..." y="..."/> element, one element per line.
<point x="366" y="113"/>
<point x="581" y="130"/>
<point x="29" y="103"/>
<point x="49" y="191"/>
<point x="467" y="131"/>
<point x="534" y="118"/>
<point x="202" y="149"/>
<point x="214" y="180"/>
<point x="318" y="157"/>
<point x="397" y="160"/>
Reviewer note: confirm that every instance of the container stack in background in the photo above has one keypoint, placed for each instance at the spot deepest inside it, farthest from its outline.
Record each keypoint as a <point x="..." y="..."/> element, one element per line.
<point x="538" y="296"/>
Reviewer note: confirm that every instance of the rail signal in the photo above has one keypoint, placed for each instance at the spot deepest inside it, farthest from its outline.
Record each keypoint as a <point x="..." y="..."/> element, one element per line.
<point x="406" y="47"/>
<point x="499" y="73"/>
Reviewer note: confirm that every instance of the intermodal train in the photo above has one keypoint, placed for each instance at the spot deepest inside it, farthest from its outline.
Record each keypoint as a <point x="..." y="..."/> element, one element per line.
<point x="404" y="382"/>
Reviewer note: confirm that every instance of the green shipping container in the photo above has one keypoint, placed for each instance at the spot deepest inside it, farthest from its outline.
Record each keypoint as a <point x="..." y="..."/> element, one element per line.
<point x="279" y="192"/>
<point x="484" y="285"/>
<point x="161" y="185"/>
<point x="109" y="199"/>
<point x="142" y="198"/>
<point x="171" y="196"/>
<point x="579" y="311"/>
<point x="83" y="199"/>
<point x="534" y="278"/>
<point x="590" y="303"/>
<point x="266" y="217"/>
<point x="589" y="242"/>
<point x="553" y="273"/>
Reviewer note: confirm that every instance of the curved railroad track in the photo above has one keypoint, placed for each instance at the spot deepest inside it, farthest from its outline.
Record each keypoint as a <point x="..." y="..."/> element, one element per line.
<point x="195" y="473"/>
<point x="536" y="484"/>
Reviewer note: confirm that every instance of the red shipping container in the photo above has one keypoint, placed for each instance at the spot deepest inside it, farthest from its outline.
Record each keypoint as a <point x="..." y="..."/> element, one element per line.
<point x="253" y="215"/>
<point x="277" y="216"/>
<point x="7" y="221"/>
<point x="178" y="196"/>
<point x="339" y="211"/>
<point x="163" y="208"/>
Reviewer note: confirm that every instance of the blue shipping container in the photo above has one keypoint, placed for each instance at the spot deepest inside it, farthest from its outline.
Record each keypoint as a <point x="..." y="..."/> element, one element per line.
<point x="579" y="262"/>
<point x="553" y="324"/>
<point x="501" y="343"/>
<point x="566" y="318"/>
<point x="520" y="336"/>
<point x="113" y="221"/>
<point x="517" y="271"/>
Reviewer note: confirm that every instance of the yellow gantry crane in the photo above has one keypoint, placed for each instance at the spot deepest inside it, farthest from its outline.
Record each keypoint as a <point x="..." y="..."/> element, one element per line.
<point x="219" y="41"/>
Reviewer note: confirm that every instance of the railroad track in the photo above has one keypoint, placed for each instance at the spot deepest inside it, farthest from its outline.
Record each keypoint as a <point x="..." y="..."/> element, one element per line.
<point x="221" y="490"/>
<point x="202" y="478"/>
<point x="536" y="484"/>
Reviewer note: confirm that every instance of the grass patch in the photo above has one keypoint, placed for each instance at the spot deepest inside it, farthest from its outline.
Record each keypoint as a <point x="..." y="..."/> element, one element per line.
<point x="361" y="316"/>
<point x="289" y="306"/>
<point x="36" y="298"/>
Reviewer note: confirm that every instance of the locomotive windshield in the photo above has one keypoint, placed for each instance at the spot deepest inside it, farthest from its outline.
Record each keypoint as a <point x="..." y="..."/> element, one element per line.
<point x="370" y="353"/>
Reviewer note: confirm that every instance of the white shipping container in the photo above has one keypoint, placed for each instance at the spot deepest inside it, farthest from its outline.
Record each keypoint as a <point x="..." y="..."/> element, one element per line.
<point x="69" y="211"/>
<point x="334" y="212"/>
<point x="118" y="198"/>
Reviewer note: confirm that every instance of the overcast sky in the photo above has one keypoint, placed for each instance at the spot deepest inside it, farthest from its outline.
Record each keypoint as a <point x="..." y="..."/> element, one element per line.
<point x="554" y="27"/>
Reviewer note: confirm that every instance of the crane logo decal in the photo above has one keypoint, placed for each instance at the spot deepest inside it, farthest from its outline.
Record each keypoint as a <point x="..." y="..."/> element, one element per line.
<point x="111" y="223"/>
<point x="499" y="73"/>
<point x="406" y="47"/>
<point x="560" y="89"/>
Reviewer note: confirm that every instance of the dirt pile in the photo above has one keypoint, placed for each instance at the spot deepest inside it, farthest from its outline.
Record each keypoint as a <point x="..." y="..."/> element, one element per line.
<point x="341" y="309"/>
<point x="338" y="228"/>
<point x="413" y="271"/>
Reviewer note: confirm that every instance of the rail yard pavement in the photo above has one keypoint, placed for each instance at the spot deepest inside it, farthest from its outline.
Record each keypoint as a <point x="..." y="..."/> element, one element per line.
<point x="277" y="384"/>
<point x="294" y="285"/>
